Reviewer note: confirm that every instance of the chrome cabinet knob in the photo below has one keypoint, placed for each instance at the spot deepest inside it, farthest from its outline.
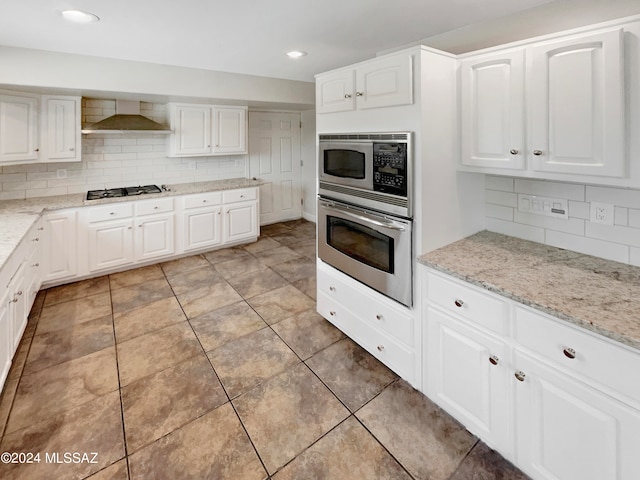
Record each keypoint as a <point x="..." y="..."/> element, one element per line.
<point x="513" y="151"/>
<point x="332" y="313"/>
<point x="458" y="303"/>
<point x="71" y="149"/>
<point x="569" y="353"/>
<point x="537" y="153"/>
<point x="380" y="348"/>
<point x="332" y="289"/>
<point x="494" y="360"/>
<point x="520" y="375"/>
<point x="37" y="239"/>
<point x="359" y="94"/>
<point x="347" y="96"/>
<point x="379" y="317"/>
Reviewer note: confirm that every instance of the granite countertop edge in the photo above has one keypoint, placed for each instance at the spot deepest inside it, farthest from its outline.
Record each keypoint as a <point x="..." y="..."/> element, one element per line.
<point x="477" y="280"/>
<point x="18" y="216"/>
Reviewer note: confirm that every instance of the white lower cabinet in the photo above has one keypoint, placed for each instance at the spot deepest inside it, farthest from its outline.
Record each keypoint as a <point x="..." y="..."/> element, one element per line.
<point x="201" y="218"/>
<point x="381" y="326"/>
<point x="468" y="371"/>
<point x="569" y="430"/>
<point x="559" y="401"/>
<point x="240" y="215"/>
<point x="59" y="246"/>
<point x="5" y="337"/>
<point x="110" y="244"/>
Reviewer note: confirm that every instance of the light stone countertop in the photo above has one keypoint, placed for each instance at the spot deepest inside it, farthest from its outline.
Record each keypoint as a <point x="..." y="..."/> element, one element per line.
<point x="597" y="294"/>
<point x="18" y="216"/>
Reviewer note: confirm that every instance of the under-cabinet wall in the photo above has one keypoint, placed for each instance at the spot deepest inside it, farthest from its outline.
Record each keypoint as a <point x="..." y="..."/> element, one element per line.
<point x="619" y="242"/>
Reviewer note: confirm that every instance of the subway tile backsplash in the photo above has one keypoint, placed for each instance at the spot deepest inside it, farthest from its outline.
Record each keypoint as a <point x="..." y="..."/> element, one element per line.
<point x="619" y="242"/>
<point x="116" y="160"/>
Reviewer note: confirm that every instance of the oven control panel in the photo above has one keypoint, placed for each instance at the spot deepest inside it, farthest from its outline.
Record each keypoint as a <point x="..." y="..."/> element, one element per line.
<point x="390" y="168"/>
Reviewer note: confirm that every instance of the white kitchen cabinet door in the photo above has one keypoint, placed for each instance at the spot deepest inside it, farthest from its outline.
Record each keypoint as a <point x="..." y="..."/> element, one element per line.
<point x="5" y="338"/>
<point x="202" y="228"/>
<point x="59" y="247"/>
<point x="492" y="111"/>
<point x="18" y="129"/>
<point x="385" y="82"/>
<point x="335" y="92"/>
<point x="467" y="374"/>
<point x="240" y="222"/>
<point x="154" y="237"/>
<point x="577" y="105"/>
<point x="191" y="125"/>
<point x="110" y="244"/>
<point x="17" y="307"/>
<point x="61" y="129"/>
<point x="569" y="431"/>
<point x="230" y="130"/>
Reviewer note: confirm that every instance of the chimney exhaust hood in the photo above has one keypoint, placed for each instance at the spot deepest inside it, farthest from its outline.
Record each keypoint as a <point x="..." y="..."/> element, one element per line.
<point x="126" y="120"/>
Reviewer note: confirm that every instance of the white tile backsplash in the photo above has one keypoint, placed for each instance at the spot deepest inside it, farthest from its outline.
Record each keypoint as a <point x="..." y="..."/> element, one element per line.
<point x="620" y="242"/>
<point x="117" y="160"/>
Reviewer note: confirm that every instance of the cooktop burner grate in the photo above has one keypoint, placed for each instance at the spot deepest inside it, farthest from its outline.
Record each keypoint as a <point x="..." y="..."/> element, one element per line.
<point x="122" y="192"/>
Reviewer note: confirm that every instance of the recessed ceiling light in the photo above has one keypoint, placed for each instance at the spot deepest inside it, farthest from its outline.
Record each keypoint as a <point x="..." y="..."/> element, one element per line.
<point x="296" y="54"/>
<point x="78" y="16"/>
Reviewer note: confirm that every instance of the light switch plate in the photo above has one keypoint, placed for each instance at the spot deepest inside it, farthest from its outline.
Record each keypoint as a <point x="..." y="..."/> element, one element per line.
<point x="547" y="206"/>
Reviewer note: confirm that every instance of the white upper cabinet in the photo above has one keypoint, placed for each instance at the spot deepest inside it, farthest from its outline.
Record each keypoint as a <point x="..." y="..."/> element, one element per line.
<point x="492" y="111"/>
<point x="205" y="130"/>
<point x="18" y="129"/>
<point x="554" y="109"/>
<point x="230" y="130"/>
<point x="191" y="125"/>
<point x="382" y="82"/>
<point x="577" y="105"/>
<point x="60" y="120"/>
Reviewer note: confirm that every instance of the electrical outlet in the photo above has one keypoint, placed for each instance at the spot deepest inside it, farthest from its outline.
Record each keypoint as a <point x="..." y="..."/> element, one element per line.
<point x="61" y="173"/>
<point x="601" y="213"/>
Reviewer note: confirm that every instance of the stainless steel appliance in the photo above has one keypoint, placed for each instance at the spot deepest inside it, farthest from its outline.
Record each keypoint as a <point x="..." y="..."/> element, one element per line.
<point x="122" y="192"/>
<point x="372" y="247"/>
<point x="370" y="169"/>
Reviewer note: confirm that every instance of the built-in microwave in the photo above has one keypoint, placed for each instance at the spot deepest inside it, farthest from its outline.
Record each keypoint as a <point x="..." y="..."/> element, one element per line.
<point x="370" y="169"/>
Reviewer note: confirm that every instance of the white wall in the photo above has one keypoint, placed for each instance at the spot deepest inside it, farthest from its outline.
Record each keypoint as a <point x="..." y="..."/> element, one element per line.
<point x="83" y="73"/>
<point x="620" y="242"/>
<point x="309" y="162"/>
<point x="110" y="161"/>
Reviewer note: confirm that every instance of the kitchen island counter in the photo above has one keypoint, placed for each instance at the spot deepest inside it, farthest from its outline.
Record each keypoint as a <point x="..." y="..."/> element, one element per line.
<point x="599" y="295"/>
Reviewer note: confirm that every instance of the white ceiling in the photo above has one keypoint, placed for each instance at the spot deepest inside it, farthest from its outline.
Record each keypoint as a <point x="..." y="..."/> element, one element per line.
<point x="252" y="36"/>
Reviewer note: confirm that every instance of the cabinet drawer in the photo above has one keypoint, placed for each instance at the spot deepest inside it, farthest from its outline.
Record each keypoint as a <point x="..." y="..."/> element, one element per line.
<point x="612" y="365"/>
<point x="469" y="303"/>
<point x="110" y="212"/>
<point x="239" y="195"/>
<point x="157" y="205"/>
<point x="202" y="200"/>
<point x="390" y="352"/>
<point x="373" y="311"/>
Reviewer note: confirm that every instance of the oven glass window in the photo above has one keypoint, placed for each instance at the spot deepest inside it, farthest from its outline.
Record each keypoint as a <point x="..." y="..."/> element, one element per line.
<point x="344" y="163"/>
<point x="361" y="243"/>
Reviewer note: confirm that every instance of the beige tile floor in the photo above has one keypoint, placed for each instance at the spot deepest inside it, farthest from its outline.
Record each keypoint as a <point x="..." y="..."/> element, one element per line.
<point x="216" y="366"/>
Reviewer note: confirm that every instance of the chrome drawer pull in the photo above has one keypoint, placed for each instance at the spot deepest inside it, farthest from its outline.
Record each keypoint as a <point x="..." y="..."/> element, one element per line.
<point x="520" y="375"/>
<point x="537" y="153"/>
<point x="569" y="353"/>
<point x="493" y="360"/>
<point x="513" y="151"/>
<point x="458" y="303"/>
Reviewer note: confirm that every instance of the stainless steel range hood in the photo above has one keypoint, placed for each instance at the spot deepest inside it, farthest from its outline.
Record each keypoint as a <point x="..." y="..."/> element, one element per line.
<point x="126" y="120"/>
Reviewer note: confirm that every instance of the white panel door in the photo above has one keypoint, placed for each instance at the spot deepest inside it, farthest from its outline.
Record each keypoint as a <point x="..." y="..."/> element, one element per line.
<point x="569" y="431"/>
<point x="274" y="158"/>
<point x="110" y="244"/>
<point x="154" y="237"/>
<point x="18" y="128"/>
<point x="61" y="128"/>
<point x="385" y="82"/>
<point x="577" y="106"/>
<point x="467" y="376"/>
<point x="492" y="111"/>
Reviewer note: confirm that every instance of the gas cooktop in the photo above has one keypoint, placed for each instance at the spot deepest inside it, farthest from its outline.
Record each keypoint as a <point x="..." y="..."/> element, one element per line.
<point x="122" y="192"/>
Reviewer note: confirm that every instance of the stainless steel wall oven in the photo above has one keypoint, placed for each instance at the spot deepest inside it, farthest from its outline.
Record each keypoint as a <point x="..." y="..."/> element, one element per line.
<point x="364" y="210"/>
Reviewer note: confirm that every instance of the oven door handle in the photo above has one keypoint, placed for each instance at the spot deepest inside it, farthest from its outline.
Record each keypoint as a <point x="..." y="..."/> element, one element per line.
<point x="368" y="218"/>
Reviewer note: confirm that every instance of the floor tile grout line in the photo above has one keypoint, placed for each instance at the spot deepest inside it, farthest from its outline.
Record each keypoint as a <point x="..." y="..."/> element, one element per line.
<point x="115" y="346"/>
